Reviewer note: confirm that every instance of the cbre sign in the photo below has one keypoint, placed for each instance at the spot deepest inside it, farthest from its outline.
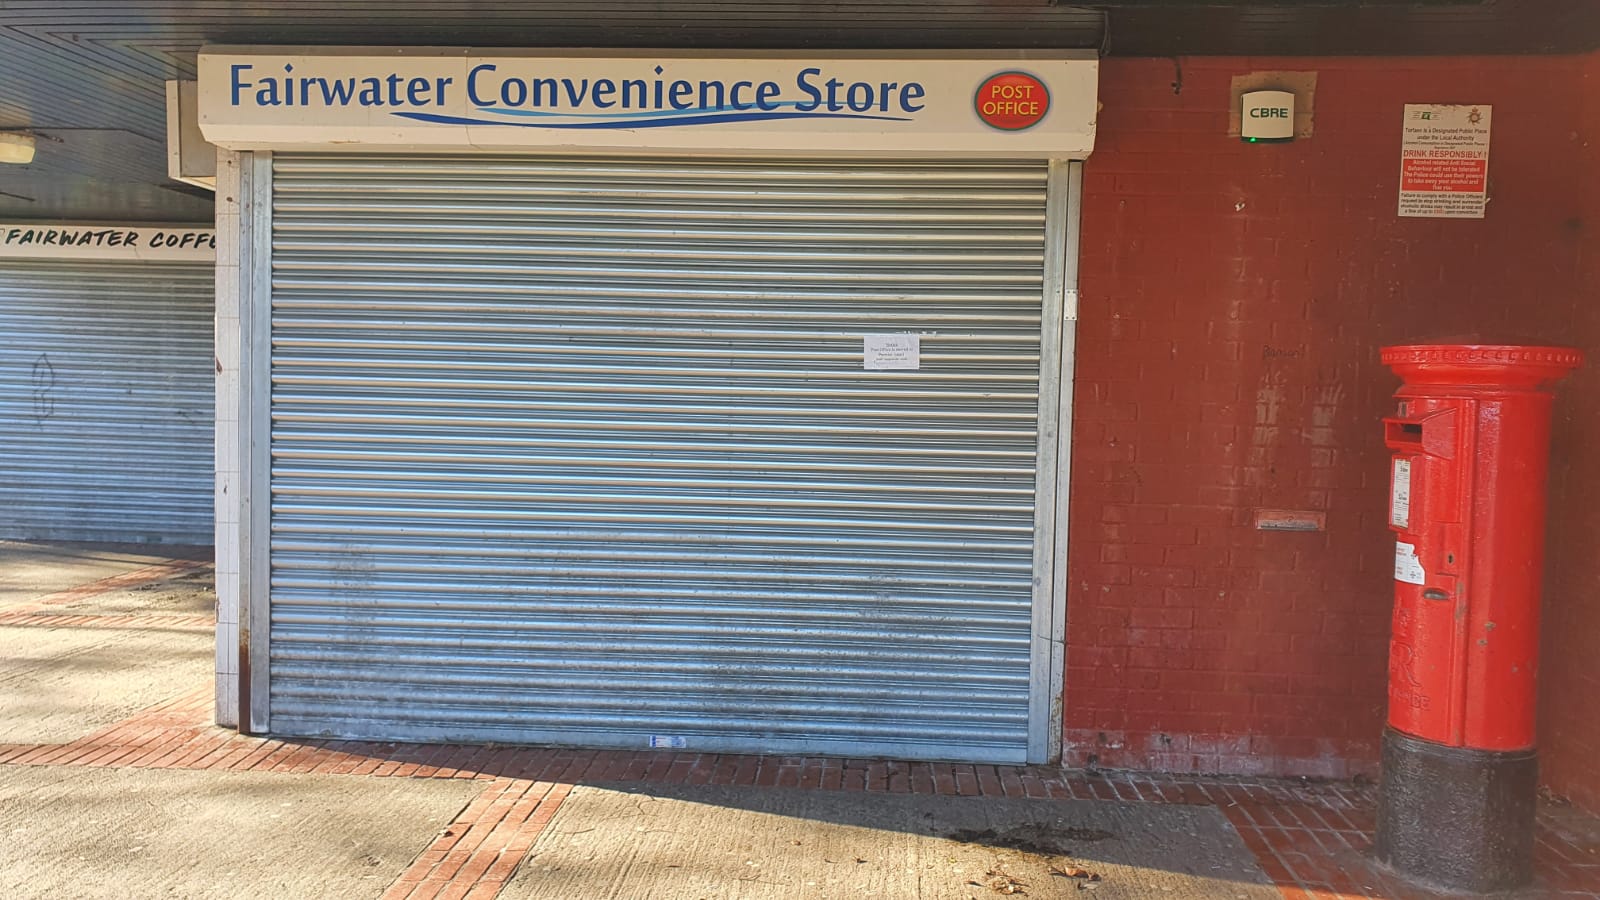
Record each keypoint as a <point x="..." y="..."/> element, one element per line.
<point x="303" y="98"/>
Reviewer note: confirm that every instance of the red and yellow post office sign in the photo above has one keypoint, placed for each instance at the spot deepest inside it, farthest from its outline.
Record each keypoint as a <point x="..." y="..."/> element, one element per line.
<point x="1012" y="101"/>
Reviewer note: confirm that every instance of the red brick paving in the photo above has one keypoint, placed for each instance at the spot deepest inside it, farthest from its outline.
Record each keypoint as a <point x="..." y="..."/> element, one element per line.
<point x="44" y="619"/>
<point x="130" y="579"/>
<point x="43" y="612"/>
<point x="1312" y="839"/>
<point x="483" y="846"/>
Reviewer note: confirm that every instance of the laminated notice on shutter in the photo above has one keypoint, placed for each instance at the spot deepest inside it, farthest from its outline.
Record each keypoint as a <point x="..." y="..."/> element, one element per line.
<point x="583" y="451"/>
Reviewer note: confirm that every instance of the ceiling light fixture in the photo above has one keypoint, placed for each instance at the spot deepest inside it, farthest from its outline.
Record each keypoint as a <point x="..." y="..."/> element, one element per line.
<point x="16" y="147"/>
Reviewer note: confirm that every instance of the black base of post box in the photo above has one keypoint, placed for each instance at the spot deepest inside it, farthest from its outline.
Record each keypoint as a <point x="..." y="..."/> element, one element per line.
<point x="1455" y="817"/>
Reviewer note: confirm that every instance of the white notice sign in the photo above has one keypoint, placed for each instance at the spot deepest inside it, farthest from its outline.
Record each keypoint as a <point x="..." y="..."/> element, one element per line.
<point x="891" y="351"/>
<point x="1444" y="162"/>
<point x="1407" y="567"/>
<point x="1400" y="497"/>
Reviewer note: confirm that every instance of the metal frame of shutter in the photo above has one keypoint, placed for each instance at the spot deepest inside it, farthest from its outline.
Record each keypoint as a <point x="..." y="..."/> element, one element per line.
<point x="580" y="450"/>
<point x="106" y="399"/>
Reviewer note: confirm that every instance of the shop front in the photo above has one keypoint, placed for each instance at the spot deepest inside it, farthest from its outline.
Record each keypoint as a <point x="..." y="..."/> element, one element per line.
<point x="647" y="400"/>
<point x="105" y="383"/>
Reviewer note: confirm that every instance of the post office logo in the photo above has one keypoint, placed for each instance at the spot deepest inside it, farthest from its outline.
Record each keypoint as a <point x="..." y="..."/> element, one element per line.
<point x="1012" y="101"/>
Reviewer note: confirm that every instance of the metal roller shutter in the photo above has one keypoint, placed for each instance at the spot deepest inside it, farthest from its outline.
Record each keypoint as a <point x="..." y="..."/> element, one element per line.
<point x="106" y="400"/>
<point x="583" y="451"/>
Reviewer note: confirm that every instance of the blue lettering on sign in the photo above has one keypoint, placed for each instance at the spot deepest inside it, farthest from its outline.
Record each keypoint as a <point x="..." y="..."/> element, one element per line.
<point x="472" y="83"/>
<point x="238" y="85"/>
<point x="553" y="101"/>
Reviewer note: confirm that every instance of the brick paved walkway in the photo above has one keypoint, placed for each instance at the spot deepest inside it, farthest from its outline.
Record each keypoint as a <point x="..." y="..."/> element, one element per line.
<point x="1311" y="838"/>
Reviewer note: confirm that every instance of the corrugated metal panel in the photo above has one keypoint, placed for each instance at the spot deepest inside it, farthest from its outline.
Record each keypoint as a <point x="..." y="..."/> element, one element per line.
<point x="583" y="451"/>
<point x="105" y="401"/>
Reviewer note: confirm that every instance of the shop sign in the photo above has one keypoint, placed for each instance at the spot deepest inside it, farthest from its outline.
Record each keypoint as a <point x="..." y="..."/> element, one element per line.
<point x="169" y="243"/>
<point x="304" y="98"/>
<point x="1444" y="162"/>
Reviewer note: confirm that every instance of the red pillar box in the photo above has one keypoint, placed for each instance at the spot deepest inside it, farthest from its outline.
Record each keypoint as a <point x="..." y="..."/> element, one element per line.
<point x="1471" y="447"/>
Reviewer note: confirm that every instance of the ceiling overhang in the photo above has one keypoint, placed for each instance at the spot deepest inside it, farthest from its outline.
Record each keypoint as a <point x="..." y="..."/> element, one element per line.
<point x="86" y="79"/>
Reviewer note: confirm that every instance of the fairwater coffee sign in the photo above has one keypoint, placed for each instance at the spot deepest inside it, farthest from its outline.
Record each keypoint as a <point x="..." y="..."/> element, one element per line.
<point x="167" y="243"/>
<point x="1010" y="105"/>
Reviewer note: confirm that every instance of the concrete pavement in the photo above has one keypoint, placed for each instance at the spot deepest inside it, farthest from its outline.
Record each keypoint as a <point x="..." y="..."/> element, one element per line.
<point x="31" y="571"/>
<point x="114" y="782"/>
<point x="117" y="833"/>
<point x="685" y="842"/>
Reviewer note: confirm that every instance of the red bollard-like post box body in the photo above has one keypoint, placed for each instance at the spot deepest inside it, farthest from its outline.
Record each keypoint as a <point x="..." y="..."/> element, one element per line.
<point x="1467" y="502"/>
<point x="1467" y="483"/>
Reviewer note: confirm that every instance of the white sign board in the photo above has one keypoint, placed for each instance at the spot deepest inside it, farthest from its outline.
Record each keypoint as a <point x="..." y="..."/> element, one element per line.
<point x="168" y="243"/>
<point x="883" y="352"/>
<point x="1407" y="567"/>
<point x="1001" y="105"/>
<point x="1267" y="116"/>
<point x="1400" y="495"/>
<point x="1444" y="162"/>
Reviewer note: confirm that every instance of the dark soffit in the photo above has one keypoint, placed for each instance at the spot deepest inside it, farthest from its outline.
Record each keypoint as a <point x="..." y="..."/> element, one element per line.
<point x="87" y="76"/>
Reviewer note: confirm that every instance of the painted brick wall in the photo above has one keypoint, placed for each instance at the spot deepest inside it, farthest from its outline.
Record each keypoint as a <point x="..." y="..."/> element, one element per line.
<point x="1569" y="724"/>
<point x="1234" y="298"/>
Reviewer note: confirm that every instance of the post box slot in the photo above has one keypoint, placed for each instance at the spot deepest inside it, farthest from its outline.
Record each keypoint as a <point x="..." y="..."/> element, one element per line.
<point x="1434" y="433"/>
<point x="1404" y="433"/>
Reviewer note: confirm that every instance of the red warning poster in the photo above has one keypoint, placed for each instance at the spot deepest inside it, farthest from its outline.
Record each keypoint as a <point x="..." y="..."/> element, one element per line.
<point x="1444" y="162"/>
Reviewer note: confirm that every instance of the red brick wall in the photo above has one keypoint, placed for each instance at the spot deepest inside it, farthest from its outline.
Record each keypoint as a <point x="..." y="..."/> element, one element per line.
<point x="1569" y="723"/>
<point x="1233" y="301"/>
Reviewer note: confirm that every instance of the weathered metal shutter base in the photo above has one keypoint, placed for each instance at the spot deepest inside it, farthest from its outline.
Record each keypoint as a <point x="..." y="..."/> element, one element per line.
<point x="582" y="451"/>
<point x="106" y="400"/>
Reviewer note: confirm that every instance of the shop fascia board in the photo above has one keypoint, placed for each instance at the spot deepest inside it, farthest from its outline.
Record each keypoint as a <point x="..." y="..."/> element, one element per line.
<point x="932" y="110"/>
